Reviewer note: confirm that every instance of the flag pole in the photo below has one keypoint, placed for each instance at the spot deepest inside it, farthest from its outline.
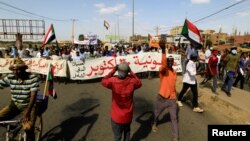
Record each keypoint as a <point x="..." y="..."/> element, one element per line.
<point x="46" y="83"/>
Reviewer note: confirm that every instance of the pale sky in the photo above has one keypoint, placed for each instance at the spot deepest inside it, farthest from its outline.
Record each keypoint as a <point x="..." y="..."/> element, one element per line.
<point x="149" y="14"/>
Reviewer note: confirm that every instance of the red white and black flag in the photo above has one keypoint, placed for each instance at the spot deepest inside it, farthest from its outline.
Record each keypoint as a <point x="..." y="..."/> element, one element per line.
<point x="192" y="33"/>
<point x="49" y="36"/>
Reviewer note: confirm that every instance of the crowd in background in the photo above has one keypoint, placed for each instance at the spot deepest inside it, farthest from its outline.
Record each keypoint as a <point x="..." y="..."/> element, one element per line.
<point x="230" y="66"/>
<point x="83" y="53"/>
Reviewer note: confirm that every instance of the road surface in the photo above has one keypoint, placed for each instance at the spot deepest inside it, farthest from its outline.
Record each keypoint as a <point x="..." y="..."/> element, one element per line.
<point x="81" y="113"/>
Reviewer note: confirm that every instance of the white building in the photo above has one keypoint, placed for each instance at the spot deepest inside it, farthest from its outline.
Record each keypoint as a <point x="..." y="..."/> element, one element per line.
<point x="179" y="39"/>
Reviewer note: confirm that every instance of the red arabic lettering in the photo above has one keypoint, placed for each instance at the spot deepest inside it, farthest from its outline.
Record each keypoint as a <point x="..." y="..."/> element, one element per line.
<point x="93" y="70"/>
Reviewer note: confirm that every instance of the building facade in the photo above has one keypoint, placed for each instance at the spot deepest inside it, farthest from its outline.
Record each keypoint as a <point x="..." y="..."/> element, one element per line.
<point x="176" y="30"/>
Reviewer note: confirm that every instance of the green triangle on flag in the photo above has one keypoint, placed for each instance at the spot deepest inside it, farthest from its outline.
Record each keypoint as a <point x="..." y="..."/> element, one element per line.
<point x="192" y="33"/>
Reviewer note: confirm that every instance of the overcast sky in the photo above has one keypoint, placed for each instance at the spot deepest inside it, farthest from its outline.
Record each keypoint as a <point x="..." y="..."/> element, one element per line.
<point x="149" y="14"/>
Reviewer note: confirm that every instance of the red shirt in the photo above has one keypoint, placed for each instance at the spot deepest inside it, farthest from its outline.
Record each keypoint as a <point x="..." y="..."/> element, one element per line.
<point x="122" y="96"/>
<point x="212" y="62"/>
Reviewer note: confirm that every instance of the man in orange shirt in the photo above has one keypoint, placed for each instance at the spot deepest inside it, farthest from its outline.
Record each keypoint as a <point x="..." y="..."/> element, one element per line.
<point x="167" y="94"/>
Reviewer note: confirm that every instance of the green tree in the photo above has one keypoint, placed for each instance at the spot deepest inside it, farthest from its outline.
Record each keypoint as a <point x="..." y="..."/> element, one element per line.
<point x="81" y="37"/>
<point x="208" y="43"/>
<point x="222" y="42"/>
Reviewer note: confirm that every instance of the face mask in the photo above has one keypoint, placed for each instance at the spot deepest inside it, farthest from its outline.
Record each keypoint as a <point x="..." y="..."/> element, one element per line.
<point x="170" y="63"/>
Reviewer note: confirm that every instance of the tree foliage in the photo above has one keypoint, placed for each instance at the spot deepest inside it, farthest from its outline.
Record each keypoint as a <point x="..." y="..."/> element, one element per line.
<point x="81" y="37"/>
<point x="208" y="43"/>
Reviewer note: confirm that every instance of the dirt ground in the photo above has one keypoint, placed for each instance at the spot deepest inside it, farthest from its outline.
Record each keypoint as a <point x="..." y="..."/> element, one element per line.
<point x="213" y="103"/>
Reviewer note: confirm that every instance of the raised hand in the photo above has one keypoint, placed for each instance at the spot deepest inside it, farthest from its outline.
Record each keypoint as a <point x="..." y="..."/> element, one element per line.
<point x="162" y="44"/>
<point x="129" y="69"/>
<point x="116" y="67"/>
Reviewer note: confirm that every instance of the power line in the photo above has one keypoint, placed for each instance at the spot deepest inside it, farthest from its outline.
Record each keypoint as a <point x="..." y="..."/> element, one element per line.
<point x="232" y="5"/>
<point x="15" y="12"/>
<point x="208" y="10"/>
<point x="34" y="14"/>
<point x="227" y="13"/>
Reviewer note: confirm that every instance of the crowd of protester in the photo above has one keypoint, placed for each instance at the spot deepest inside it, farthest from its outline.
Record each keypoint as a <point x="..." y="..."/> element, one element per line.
<point x="210" y="63"/>
<point x="229" y="66"/>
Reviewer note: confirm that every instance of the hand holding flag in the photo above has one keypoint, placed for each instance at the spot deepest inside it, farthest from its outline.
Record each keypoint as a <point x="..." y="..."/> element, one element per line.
<point x="50" y="80"/>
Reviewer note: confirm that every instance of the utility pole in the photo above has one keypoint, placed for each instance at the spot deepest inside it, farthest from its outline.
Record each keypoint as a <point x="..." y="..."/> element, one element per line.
<point x="133" y="20"/>
<point x="118" y="28"/>
<point x="157" y="28"/>
<point x="72" y="30"/>
<point x="205" y="42"/>
<point x="115" y="33"/>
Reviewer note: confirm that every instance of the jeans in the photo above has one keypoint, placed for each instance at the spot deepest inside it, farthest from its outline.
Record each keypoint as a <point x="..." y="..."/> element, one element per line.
<point x="229" y="80"/>
<point x="194" y="91"/>
<point x="214" y="86"/>
<point x="201" y="67"/>
<point x="119" y="129"/>
<point x="162" y="103"/>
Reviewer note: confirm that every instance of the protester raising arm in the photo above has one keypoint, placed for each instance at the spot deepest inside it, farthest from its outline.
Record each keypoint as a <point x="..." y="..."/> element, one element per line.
<point x="107" y="80"/>
<point x="137" y="81"/>
<point x="163" y="57"/>
<point x="123" y="87"/>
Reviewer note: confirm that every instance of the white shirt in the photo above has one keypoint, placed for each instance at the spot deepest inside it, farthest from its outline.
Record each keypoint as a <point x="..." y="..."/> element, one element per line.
<point x="207" y="55"/>
<point x="76" y="58"/>
<point x="20" y="53"/>
<point x="55" y="57"/>
<point x="189" y="76"/>
<point x="219" y="57"/>
<point x="140" y="52"/>
<point x="38" y="55"/>
<point x="46" y="53"/>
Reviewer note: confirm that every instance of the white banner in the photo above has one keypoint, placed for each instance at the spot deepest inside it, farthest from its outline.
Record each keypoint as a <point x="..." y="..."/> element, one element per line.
<point x="94" y="68"/>
<point x="100" y="67"/>
<point x="37" y="65"/>
<point x="40" y="65"/>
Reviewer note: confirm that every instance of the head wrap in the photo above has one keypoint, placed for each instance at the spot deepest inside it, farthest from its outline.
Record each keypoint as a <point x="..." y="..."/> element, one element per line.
<point x="215" y="52"/>
<point x="17" y="63"/>
<point x="170" y="58"/>
<point x="234" y="51"/>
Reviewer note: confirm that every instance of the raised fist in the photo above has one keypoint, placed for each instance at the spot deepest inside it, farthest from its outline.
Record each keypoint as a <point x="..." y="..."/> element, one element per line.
<point x="162" y="44"/>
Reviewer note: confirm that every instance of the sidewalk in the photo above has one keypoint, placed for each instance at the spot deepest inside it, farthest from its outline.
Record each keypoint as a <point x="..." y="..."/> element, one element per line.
<point x="240" y="98"/>
<point x="238" y="105"/>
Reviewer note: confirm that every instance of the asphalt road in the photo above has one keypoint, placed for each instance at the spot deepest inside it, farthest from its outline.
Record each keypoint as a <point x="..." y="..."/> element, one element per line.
<point x="81" y="113"/>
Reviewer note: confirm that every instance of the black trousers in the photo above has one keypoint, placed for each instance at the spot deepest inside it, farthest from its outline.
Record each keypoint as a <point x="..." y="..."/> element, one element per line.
<point x="194" y="91"/>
